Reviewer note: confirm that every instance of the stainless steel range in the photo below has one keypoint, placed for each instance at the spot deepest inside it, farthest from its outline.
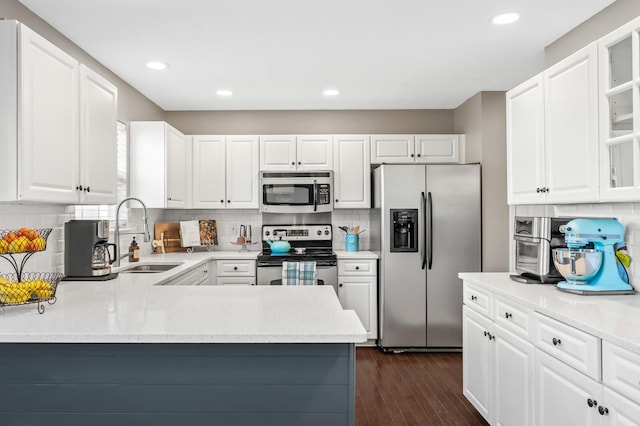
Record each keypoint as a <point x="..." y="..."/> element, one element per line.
<point x="308" y="243"/>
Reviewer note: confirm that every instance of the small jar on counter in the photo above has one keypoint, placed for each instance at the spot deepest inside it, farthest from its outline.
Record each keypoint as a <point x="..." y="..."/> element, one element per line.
<point x="134" y="251"/>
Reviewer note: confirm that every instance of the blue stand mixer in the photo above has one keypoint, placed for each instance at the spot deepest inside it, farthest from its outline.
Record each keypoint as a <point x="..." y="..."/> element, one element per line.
<point x="589" y="263"/>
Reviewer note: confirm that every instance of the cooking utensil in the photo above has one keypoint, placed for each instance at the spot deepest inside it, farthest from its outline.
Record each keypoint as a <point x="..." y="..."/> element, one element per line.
<point x="344" y="228"/>
<point x="356" y="229"/>
<point x="361" y="231"/>
<point x="279" y="246"/>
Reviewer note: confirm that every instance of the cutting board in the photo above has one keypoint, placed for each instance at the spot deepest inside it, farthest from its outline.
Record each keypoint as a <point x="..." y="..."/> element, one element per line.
<point x="171" y="236"/>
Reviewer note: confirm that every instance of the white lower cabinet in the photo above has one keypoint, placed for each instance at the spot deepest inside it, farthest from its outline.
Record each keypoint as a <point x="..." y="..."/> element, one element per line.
<point x="497" y="371"/>
<point x="357" y="290"/>
<point x="546" y="373"/>
<point x="200" y="275"/>
<point x="236" y="272"/>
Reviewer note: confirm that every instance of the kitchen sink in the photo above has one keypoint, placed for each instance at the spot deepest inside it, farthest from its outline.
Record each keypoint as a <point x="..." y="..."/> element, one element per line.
<point x="149" y="268"/>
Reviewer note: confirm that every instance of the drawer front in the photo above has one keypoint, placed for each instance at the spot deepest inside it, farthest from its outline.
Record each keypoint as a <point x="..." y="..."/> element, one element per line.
<point x="477" y="298"/>
<point x="512" y="316"/>
<point x="621" y="370"/>
<point x="236" y="280"/>
<point x="357" y="267"/>
<point x="234" y="268"/>
<point x="576" y="348"/>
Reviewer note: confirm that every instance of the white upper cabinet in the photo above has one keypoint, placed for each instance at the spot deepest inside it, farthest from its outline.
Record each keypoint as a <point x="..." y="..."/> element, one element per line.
<point x="158" y="164"/>
<point x="352" y="172"/>
<point x="288" y="152"/>
<point x="225" y="172"/>
<point x="400" y="149"/>
<point x="552" y="145"/>
<point x="619" y="69"/>
<point x="98" y="136"/>
<point x="209" y="172"/>
<point x="392" y="149"/>
<point x="53" y="116"/>
<point x="242" y="174"/>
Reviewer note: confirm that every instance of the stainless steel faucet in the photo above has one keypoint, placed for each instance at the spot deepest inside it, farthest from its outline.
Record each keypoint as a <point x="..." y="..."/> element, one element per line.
<point x="145" y="230"/>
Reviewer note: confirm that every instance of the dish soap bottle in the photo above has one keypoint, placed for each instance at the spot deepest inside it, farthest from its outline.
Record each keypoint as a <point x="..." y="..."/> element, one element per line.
<point x="134" y="251"/>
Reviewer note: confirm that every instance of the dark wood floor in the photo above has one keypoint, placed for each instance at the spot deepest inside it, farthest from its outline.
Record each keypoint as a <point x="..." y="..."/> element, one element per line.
<point x="411" y="389"/>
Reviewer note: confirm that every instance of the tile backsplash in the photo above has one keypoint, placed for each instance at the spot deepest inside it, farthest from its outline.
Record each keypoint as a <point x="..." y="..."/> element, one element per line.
<point x="627" y="213"/>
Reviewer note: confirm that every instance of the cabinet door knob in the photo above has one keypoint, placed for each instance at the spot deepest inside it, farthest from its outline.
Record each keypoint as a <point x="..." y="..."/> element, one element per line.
<point x="340" y="285"/>
<point x="235" y="268"/>
<point x="299" y="162"/>
<point x="485" y="333"/>
<point x="474" y="297"/>
<point x="592" y="402"/>
<point x="293" y="163"/>
<point x="419" y="155"/>
<point x="228" y="201"/>
<point x="507" y="315"/>
<point x="603" y="410"/>
<point x="337" y="200"/>
<point x="222" y="201"/>
<point x="556" y="342"/>
<point x="88" y="189"/>
<point x="80" y="188"/>
<point x="168" y="198"/>
<point x="412" y="155"/>
<point x="538" y="190"/>
<point x="357" y="268"/>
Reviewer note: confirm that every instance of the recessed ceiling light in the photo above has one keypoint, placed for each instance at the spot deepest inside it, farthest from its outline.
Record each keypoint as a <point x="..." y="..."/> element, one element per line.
<point x="331" y="92"/>
<point x="154" y="65"/>
<point x="224" y="92"/>
<point x="505" y="18"/>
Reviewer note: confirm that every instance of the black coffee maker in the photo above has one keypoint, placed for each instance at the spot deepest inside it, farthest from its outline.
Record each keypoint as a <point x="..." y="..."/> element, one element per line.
<point x="86" y="251"/>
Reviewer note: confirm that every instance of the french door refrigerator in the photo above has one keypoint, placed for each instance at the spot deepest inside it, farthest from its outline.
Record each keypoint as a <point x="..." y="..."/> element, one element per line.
<point x="428" y="228"/>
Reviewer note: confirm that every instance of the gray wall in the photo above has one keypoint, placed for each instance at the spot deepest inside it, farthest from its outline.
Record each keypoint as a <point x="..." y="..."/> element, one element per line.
<point x="132" y="105"/>
<point x="310" y="121"/>
<point x="607" y="20"/>
<point x="482" y="119"/>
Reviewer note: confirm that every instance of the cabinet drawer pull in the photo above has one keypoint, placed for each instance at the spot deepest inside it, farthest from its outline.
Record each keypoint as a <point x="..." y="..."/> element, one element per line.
<point x="556" y="342"/>
<point x="474" y="297"/>
<point x="592" y="402"/>
<point x="235" y="268"/>
<point x="603" y="410"/>
<point x="507" y="315"/>
<point x="293" y="163"/>
<point x="357" y="268"/>
<point x="485" y="333"/>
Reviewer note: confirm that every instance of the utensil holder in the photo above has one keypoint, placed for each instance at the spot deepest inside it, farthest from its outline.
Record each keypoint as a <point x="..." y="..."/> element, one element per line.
<point x="351" y="242"/>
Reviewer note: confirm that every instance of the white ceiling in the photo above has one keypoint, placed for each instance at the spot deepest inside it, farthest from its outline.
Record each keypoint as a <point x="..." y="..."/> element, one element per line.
<point x="281" y="54"/>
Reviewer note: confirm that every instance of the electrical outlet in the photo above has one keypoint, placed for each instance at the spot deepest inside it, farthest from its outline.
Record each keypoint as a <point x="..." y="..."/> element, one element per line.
<point x="234" y="229"/>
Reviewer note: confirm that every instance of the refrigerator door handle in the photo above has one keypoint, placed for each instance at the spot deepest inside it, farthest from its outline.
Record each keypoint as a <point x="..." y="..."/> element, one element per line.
<point x="430" y="247"/>
<point x="423" y="204"/>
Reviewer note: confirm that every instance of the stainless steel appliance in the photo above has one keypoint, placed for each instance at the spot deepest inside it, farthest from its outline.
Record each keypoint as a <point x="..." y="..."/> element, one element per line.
<point x="535" y="238"/>
<point x="86" y="251"/>
<point x="296" y="192"/>
<point x="427" y="224"/>
<point x="308" y="243"/>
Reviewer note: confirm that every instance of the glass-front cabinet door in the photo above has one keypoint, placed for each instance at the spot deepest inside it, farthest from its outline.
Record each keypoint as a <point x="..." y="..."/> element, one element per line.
<point x="619" y="70"/>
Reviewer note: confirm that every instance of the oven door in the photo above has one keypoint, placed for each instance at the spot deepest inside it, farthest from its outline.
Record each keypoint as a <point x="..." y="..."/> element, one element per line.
<point x="532" y="256"/>
<point x="272" y="275"/>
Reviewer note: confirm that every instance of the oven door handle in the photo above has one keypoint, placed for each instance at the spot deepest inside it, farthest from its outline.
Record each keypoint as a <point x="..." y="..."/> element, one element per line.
<point x="315" y="195"/>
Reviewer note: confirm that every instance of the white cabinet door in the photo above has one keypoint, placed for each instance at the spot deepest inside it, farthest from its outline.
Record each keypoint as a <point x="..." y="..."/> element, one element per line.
<point x="437" y="148"/>
<point x="176" y="147"/>
<point x="477" y="364"/>
<point x="525" y="142"/>
<point x="278" y="152"/>
<point x="352" y="172"/>
<point x="356" y="293"/>
<point x="571" y="128"/>
<point x="49" y="111"/>
<point x="618" y="410"/>
<point x="563" y="395"/>
<point x="209" y="172"/>
<point x="98" y="138"/>
<point x="512" y="379"/>
<point x="242" y="172"/>
<point x="314" y="152"/>
<point x="392" y="149"/>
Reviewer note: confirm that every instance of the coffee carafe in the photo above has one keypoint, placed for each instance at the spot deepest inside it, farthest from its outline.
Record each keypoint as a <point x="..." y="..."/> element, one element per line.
<point x="86" y="251"/>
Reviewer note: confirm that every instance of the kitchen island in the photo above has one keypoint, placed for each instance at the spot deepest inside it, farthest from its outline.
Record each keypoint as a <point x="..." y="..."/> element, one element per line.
<point x="129" y="351"/>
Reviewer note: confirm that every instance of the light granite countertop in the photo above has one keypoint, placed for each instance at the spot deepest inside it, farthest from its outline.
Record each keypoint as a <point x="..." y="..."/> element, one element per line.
<point x="615" y="319"/>
<point x="135" y="308"/>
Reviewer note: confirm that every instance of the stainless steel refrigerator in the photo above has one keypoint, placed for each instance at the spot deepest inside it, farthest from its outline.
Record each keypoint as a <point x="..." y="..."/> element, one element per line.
<point x="427" y="225"/>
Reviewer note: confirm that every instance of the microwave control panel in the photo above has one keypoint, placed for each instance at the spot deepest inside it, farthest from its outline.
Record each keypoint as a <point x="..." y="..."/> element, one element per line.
<point x="324" y="195"/>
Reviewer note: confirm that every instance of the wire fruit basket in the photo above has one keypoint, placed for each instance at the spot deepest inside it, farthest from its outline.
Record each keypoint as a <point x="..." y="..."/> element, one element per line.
<point x="34" y="287"/>
<point x="20" y="288"/>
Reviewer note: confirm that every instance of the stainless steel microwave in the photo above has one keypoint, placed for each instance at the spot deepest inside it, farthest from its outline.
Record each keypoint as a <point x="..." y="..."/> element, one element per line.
<point x="296" y="192"/>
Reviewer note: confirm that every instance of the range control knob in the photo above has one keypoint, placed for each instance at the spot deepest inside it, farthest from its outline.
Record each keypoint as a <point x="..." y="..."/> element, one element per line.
<point x="319" y="232"/>
<point x="267" y="233"/>
<point x="326" y="232"/>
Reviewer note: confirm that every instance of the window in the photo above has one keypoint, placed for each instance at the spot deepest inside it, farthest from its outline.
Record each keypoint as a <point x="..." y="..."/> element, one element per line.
<point x="109" y="211"/>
